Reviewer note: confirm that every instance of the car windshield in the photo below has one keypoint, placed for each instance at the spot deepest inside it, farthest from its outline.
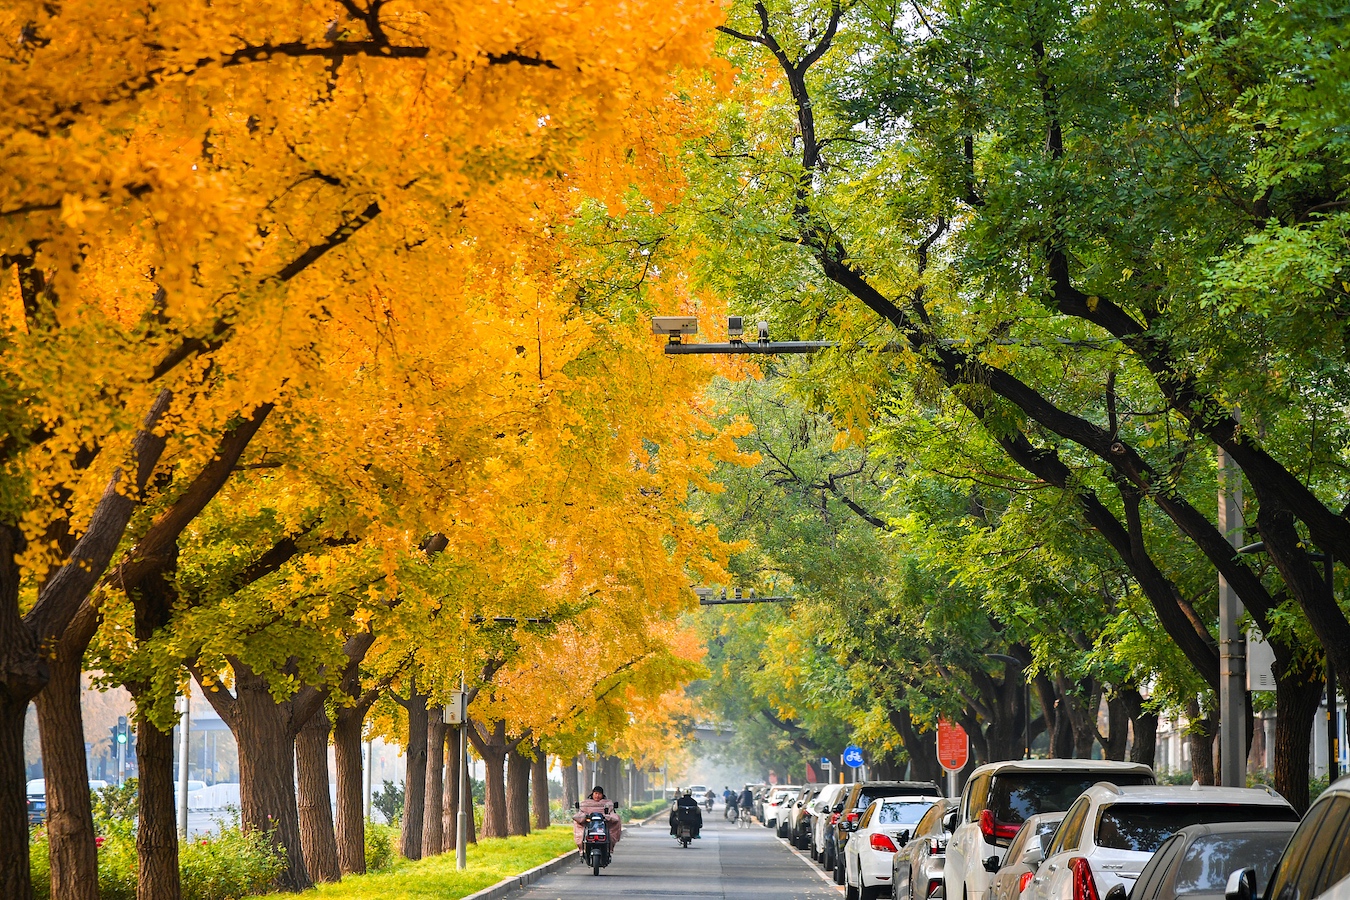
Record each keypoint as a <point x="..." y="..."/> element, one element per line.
<point x="1211" y="859"/>
<point x="899" y="812"/>
<point x="1016" y="796"/>
<point x="1144" y="826"/>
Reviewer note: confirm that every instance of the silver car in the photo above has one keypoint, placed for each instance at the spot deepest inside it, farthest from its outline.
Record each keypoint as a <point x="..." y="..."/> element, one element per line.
<point x="916" y="871"/>
<point x="1024" y="855"/>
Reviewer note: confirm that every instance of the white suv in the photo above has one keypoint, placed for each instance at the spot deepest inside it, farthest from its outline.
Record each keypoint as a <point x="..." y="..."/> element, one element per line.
<point x="999" y="797"/>
<point x="1110" y="832"/>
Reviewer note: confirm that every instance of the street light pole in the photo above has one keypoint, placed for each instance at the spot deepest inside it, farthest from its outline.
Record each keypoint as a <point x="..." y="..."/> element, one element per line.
<point x="1333" y="731"/>
<point x="1232" y="647"/>
<point x="184" y="741"/>
<point x="465" y="796"/>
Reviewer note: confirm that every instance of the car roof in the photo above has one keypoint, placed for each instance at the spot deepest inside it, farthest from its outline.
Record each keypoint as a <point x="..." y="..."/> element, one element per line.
<point x="1061" y="765"/>
<point x="1105" y="792"/>
<point x="1191" y="832"/>
<point x="916" y="798"/>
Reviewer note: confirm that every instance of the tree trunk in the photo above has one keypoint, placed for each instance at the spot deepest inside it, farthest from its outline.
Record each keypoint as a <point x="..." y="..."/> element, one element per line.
<point x="157" y="819"/>
<point x="433" y="835"/>
<point x="70" y="819"/>
<point x="571" y="784"/>
<point x="1145" y="747"/>
<point x="517" y="793"/>
<point x="1201" y="737"/>
<point x="15" y="878"/>
<point x="1118" y="721"/>
<point x="415" y="777"/>
<point x="922" y="748"/>
<point x="491" y="747"/>
<point x="262" y="731"/>
<point x="1298" y="695"/>
<point x="539" y="788"/>
<point x="317" y="836"/>
<point x="351" y="816"/>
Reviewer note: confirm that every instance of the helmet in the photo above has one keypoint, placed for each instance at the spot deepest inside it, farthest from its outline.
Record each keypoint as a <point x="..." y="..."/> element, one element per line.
<point x="688" y="793"/>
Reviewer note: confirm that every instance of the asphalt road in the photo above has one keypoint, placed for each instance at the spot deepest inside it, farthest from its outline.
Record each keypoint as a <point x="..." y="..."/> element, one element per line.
<point x="726" y="862"/>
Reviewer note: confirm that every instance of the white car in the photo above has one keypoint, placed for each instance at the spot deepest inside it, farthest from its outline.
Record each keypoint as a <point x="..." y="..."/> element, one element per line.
<point x="882" y="829"/>
<point x="776" y="798"/>
<point x="1110" y="832"/>
<point x="998" y="798"/>
<point x="822" y="807"/>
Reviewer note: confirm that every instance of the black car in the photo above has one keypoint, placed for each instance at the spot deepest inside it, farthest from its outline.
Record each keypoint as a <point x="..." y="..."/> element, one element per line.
<point x="1195" y="861"/>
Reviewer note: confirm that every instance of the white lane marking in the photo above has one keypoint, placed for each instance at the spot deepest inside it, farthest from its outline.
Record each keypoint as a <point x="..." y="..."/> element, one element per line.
<point x="828" y="879"/>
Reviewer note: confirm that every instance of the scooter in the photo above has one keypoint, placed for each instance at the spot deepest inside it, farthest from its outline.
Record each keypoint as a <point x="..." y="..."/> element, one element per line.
<point x="595" y="842"/>
<point x="708" y="803"/>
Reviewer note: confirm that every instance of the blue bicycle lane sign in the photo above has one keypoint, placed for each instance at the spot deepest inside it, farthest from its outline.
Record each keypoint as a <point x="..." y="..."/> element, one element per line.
<point x="853" y="756"/>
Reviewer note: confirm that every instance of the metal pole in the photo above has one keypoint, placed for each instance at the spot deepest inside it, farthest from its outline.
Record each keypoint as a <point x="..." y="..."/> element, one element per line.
<point x="1333" y="731"/>
<point x="370" y="773"/>
<point x="184" y="728"/>
<point x="1232" y="648"/>
<point x="465" y="794"/>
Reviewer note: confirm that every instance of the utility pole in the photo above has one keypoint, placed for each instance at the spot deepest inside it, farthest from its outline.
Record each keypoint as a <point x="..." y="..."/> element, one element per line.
<point x="184" y="732"/>
<point x="1232" y="646"/>
<point x="1333" y="725"/>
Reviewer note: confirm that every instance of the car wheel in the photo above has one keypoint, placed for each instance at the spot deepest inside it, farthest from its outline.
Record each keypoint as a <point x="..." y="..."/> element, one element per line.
<point x="850" y="892"/>
<point x="869" y="893"/>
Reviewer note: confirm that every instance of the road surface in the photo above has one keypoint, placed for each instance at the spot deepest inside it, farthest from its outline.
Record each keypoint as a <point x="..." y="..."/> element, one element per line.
<point x="726" y="862"/>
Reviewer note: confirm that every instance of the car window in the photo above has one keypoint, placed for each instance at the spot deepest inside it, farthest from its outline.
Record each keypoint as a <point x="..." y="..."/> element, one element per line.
<point x="977" y="794"/>
<point x="1211" y="858"/>
<point x="932" y="820"/>
<point x="1153" y="876"/>
<point x="1069" y="830"/>
<point x="867" y="817"/>
<point x="900" y="812"/>
<point x="1339" y="868"/>
<point x="1328" y="845"/>
<point x="1142" y="827"/>
<point x="1283" y="883"/>
<point x="1018" y="844"/>
<point x="1016" y="796"/>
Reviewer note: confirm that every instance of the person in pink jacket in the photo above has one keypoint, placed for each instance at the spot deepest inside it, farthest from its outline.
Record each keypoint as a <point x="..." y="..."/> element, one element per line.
<point x="596" y="802"/>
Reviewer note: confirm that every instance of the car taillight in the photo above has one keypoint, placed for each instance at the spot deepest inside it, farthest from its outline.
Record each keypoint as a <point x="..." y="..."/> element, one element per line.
<point x="933" y="885"/>
<point x="851" y="817"/>
<point x="1024" y="881"/>
<point x="1084" y="885"/>
<point x="995" y="831"/>
<point x="834" y="818"/>
<point x="882" y="842"/>
<point x="936" y="846"/>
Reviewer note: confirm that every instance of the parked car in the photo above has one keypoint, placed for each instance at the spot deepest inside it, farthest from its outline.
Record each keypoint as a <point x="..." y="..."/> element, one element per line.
<point x="799" y="829"/>
<point x="1194" y="863"/>
<point x="776" y="797"/>
<point x="1023" y="857"/>
<point x="859" y="796"/>
<point x="916" y="871"/>
<point x="791" y="812"/>
<point x="1316" y="863"/>
<point x="874" y="839"/>
<point x="1110" y="832"/>
<point x="821" y="808"/>
<point x="998" y="798"/>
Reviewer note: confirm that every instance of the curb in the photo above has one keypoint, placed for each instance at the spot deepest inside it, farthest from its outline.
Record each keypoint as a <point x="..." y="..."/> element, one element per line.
<point x="530" y="876"/>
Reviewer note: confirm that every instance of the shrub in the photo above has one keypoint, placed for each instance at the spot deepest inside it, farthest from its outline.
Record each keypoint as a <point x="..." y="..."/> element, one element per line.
<point x="228" y="865"/>
<point x="389" y="801"/>
<point x="379" y="846"/>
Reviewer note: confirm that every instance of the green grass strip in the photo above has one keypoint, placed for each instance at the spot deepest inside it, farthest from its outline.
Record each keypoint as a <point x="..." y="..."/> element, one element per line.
<point x="490" y="860"/>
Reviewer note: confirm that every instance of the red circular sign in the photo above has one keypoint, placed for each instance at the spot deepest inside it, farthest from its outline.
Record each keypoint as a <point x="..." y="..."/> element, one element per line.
<point x="953" y="747"/>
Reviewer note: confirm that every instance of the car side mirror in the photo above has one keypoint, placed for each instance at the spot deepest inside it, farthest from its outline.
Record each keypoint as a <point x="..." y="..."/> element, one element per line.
<point x="838" y="807"/>
<point x="991" y="864"/>
<point x="1241" y="885"/>
<point x="949" y="821"/>
<point x="1117" y="893"/>
<point x="902" y="838"/>
<point x="1032" y="855"/>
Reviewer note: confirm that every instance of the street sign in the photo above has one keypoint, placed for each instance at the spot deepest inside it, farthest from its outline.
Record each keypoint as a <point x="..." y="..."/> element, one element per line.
<point x="825" y="761"/>
<point x="853" y="756"/>
<point x="953" y="747"/>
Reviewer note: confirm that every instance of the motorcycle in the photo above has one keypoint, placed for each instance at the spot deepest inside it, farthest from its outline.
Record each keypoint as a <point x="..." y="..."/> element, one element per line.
<point x="596" y="850"/>
<point x="684" y="834"/>
<point x="708" y="803"/>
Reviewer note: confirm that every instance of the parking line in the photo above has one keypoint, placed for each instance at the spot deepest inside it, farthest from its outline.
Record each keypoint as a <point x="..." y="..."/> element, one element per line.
<point x="828" y="879"/>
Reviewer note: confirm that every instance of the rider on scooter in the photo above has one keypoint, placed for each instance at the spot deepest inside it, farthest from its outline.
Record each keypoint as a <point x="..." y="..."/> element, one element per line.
<point x="686" y="811"/>
<point x="596" y="802"/>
